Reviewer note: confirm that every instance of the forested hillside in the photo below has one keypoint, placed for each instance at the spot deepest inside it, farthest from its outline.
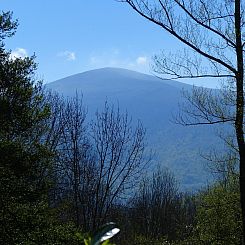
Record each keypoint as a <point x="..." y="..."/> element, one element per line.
<point x="156" y="103"/>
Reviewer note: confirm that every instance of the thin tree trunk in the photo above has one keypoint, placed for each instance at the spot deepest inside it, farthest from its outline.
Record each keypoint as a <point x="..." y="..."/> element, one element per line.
<point x="242" y="187"/>
<point x="240" y="108"/>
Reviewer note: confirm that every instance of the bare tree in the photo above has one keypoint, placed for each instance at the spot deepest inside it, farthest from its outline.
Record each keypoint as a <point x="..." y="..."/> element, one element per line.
<point x="213" y="32"/>
<point x="159" y="209"/>
<point x="73" y="148"/>
<point x="209" y="106"/>
<point x="54" y="122"/>
<point x="98" y="164"/>
<point x="120" y="156"/>
<point x="67" y="137"/>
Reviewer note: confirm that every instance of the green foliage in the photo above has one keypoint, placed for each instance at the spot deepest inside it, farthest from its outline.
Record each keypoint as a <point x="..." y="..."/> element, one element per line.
<point x="7" y="25"/>
<point x="140" y="239"/>
<point x="217" y="220"/>
<point x="89" y="242"/>
<point x="37" y="224"/>
<point x="102" y="235"/>
<point x="219" y="215"/>
<point x="25" y="159"/>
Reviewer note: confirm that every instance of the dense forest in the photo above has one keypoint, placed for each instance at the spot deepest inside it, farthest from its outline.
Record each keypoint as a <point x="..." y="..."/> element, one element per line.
<point x="63" y="177"/>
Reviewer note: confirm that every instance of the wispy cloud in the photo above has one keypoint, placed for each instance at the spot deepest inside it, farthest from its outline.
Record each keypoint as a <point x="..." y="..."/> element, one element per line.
<point x="68" y="55"/>
<point x="113" y="58"/>
<point x="18" y="53"/>
<point x="141" y="60"/>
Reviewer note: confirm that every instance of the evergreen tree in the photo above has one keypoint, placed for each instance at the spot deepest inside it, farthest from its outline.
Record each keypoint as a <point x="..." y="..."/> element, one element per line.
<point x="25" y="158"/>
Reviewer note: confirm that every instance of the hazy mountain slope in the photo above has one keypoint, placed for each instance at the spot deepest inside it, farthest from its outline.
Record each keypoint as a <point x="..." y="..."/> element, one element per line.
<point x="153" y="101"/>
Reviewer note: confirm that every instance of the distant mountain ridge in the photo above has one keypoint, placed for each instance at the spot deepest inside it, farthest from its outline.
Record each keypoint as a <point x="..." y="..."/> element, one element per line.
<point x="153" y="101"/>
<point x="111" y="74"/>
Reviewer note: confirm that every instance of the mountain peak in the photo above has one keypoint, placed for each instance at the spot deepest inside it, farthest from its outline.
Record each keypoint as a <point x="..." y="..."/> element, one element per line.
<point x="115" y="74"/>
<point x="151" y="100"/>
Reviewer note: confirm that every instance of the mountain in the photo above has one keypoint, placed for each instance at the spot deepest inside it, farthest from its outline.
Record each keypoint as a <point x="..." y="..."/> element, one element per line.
<point x="153" y="101"/>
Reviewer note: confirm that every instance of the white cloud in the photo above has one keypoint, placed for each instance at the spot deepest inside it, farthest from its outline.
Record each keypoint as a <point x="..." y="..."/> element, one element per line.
<point x="18" y="53"/>
<point x="141" y="60"/>
<point x="114" y="58"/>
<point x="70" y="56"/>
<point x="102" y="61"/>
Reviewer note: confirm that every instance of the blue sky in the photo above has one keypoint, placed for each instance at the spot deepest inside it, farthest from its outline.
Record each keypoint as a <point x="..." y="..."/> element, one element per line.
<point x="70" y="37"/>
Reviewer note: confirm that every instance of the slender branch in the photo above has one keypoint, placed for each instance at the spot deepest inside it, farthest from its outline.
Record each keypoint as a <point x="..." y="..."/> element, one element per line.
<point x="208" y="27"/>
<point x="198" y="76"/>
<point x="167" y="14"/>
<point x="204" y="123"/>
<point x="182" y="39"/>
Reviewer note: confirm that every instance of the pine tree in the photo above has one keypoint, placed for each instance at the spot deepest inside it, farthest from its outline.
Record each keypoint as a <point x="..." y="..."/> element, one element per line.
<point x="25" y="158"/>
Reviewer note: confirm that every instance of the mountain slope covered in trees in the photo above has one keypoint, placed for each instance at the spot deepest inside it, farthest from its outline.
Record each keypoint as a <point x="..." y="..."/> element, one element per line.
<point x="155" y="103"/>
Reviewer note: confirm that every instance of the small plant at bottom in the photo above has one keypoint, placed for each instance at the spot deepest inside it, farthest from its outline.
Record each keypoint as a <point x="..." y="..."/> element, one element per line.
<point x="103" y="234"/>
